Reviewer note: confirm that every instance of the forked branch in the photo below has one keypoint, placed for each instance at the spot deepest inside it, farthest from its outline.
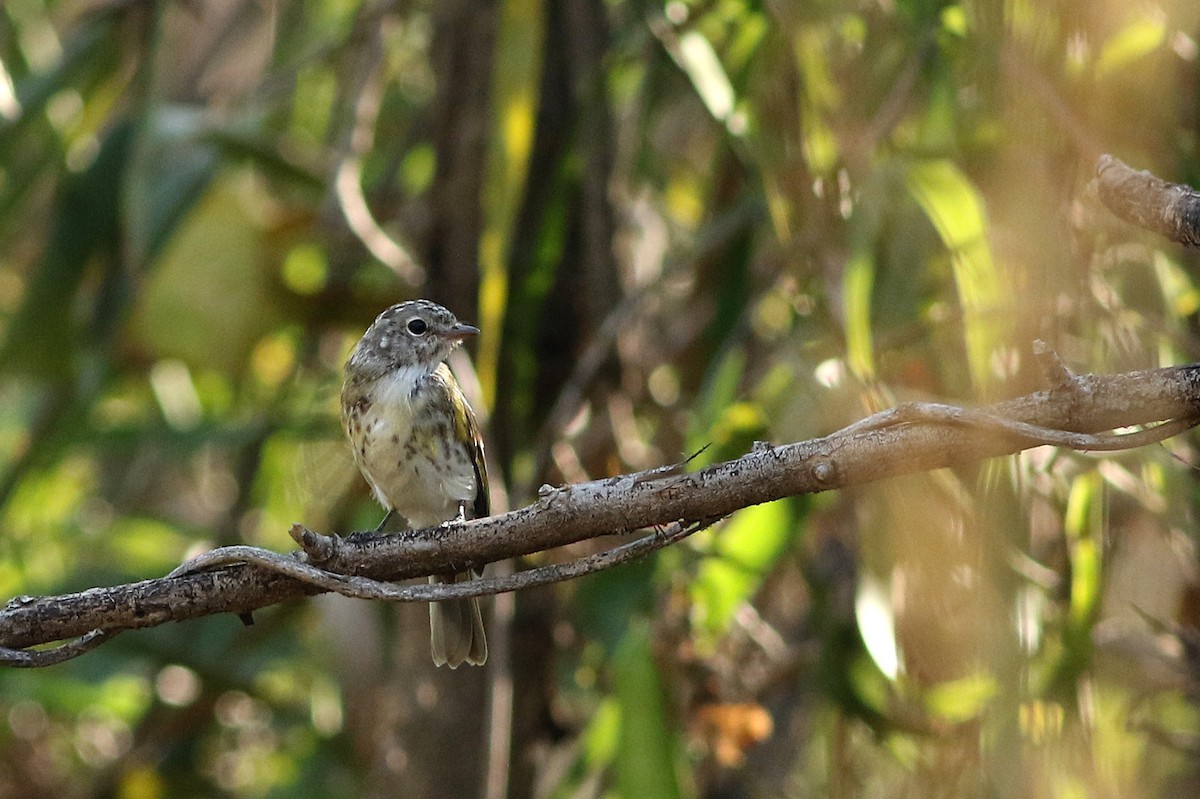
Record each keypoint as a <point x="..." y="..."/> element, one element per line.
<point x="1073" y="412"/>
<point x="1078" y="412"/>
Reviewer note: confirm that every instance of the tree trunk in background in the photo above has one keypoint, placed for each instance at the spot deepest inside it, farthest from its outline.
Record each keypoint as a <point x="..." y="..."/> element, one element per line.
<point x="586" y="26"/>
<point x="439" y="715"/>
<point x="463" y="38"/>
<point x="571" y="163"/>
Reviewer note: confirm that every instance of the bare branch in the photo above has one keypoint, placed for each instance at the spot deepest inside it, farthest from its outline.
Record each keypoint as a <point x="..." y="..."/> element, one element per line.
<point x="1169" y="209"/>
<point x="366" y="588"/>
<point x="1075" y="412"/>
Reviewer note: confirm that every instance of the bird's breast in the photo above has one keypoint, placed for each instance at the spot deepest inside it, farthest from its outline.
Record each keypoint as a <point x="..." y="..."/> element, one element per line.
<point x="403" y="447"/>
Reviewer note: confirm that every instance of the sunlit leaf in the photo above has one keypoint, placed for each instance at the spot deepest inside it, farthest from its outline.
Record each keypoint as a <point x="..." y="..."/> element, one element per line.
<point x="141" y="782"/>
<point x="515" y="82"/>
<point x="1140" y="37"/>
<point x="306" y="269"/>
<point x="746" y="549"/>
<point x="147" y="546"/>
<point x="700" y="62"/>
<point x="602" y="735"/>
<point x="962" y="699"/>
<point x="877" y="624"/>
<point x="957" y="212"/>
<point x="954" y="20"/>
<point x="858" y="283"/>
<point x="1085" y="580"/>
<point x="820" y="96"/>
<point x="1085" y="525"/>
<point x="820" y="145"/>
<point x="417" y="169"/>
<point x="1178" y="286"/>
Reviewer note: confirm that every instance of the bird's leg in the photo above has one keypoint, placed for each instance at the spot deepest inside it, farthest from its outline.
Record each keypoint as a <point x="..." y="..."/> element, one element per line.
<point x="459" y="518"/>
<point x="387" y="518"/>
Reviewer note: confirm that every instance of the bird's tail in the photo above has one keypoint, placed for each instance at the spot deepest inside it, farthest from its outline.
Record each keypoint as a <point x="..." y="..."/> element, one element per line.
<point x="456" y="628"/>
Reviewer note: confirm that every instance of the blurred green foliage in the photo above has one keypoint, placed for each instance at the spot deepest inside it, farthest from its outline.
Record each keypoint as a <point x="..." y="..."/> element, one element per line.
<point x="683" y="227"/>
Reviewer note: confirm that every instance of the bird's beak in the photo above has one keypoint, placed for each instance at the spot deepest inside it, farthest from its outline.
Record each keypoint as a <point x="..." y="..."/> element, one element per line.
<point x="461" y="331"/>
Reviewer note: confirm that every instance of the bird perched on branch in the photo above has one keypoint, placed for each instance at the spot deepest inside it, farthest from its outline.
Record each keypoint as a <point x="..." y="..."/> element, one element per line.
<point x="417" y="443"/>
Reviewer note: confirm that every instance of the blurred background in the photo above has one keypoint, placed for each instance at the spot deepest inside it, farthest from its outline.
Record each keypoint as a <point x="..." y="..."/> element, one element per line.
<point x="699" y="222"/>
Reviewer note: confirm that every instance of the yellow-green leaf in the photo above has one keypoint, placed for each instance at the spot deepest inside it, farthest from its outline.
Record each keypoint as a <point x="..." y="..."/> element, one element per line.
<point x="956" y="209"/>
<point x="747" y="548"/>
<point x="1135" y="40"/>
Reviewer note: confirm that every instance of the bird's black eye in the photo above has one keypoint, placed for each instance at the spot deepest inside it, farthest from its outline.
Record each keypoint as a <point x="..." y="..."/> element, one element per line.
<point x="417" y="326"/>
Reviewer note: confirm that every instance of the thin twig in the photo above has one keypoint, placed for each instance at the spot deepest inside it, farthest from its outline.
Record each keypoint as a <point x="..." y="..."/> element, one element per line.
<point x="347" y="180"/>
<point x="1059" y="377"/>
<point x="366" y="588"/>
<point x="40" y="658"/>
<point x="1030" y="434"/>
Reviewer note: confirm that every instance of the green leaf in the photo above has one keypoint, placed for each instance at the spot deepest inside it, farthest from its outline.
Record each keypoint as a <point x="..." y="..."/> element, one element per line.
<point x="606" y="601"/>
<point x="603" y="734"/>
<point x="646" y="760"/>
<point x="515" y="86"/>
<point x="858" y="283"/>
<point x="956" y="209"/>
<point x="1085" y="525"/>
<point x="748" y="547"/>
<point x="962" y="699"/>
<point x="42" y="336"/>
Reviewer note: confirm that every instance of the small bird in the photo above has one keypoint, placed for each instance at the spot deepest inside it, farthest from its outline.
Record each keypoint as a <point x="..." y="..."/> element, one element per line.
<point x="417" y="443"/>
